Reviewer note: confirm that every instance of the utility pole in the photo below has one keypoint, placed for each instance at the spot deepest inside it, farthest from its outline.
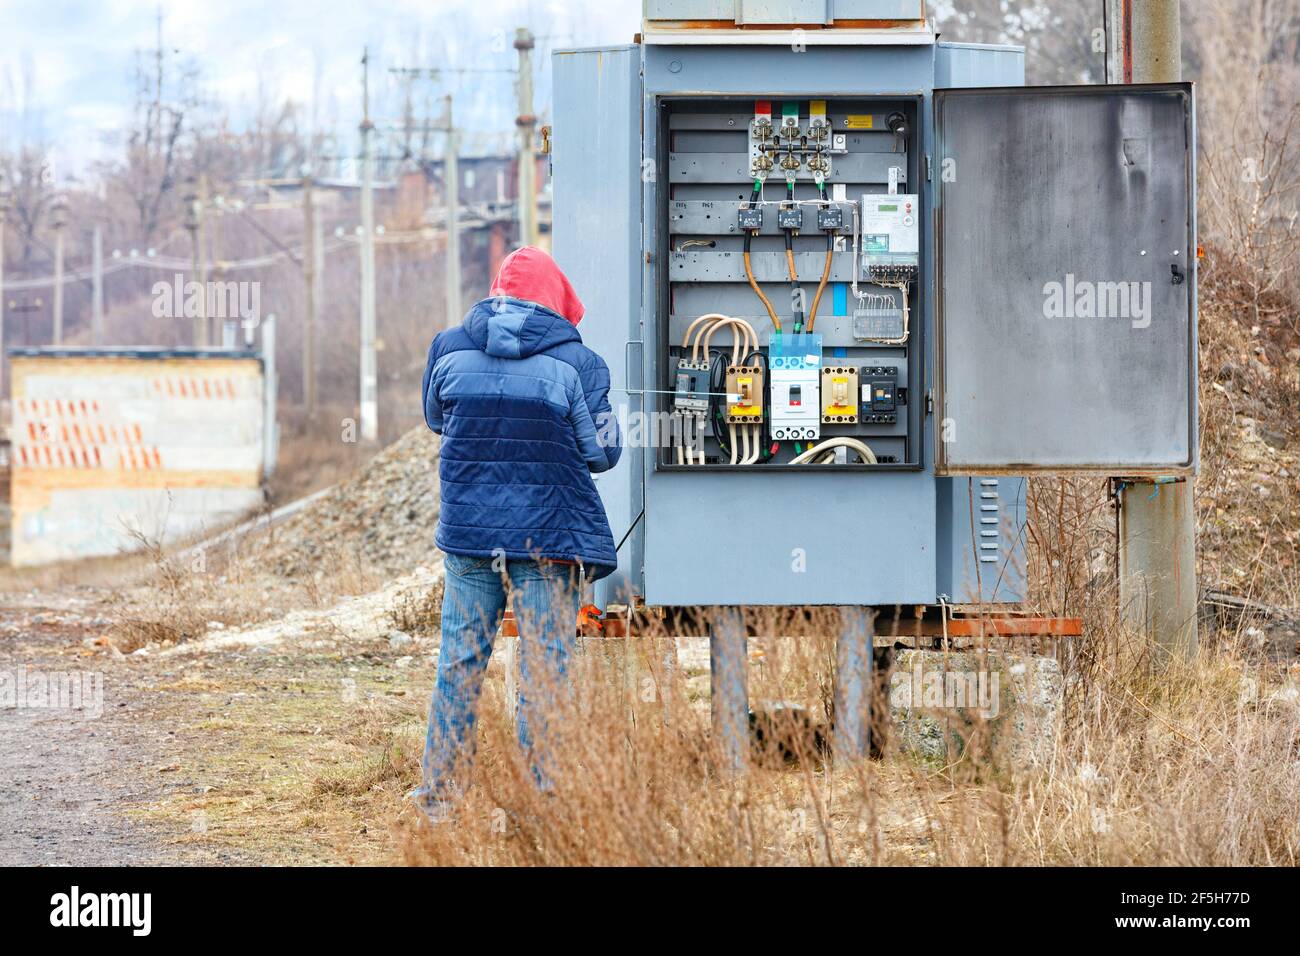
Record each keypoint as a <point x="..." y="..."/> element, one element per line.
<point x="202" y="241"/>
<point x="58" y="221"/>
<point x="270" y="392"/>
<point x="369" y="372"/>
<point x="451" y="181"/>
<point x="1157" y="516"/>
<point x="97" y="287"/>
<point x="1143" y="41"/>
<point x="309" y="276"/>
<point x="193" y="223"/>
<point x="527" y="200"/>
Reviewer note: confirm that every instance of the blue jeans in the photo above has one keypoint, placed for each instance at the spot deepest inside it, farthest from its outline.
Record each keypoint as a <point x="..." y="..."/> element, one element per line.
<point x="544" y="596"/>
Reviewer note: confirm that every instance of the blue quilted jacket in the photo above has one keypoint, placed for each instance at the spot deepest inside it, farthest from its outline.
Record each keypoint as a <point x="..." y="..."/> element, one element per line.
<point x="523" y="410"/>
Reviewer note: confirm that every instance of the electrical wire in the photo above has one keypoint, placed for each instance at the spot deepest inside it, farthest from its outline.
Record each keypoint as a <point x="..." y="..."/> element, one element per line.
<point x="753" y="284"/>
<point x="826" y="274"/>
<point x="765" y="436"/>
<point x="830" y="444"/>
<point x="710" y="316"/>
<point x="747" y="338"/>
<point x="796" y="294"/>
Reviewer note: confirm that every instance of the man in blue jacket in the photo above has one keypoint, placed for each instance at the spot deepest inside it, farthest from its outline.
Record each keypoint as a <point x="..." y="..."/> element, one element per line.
<point x="523" y="410"/>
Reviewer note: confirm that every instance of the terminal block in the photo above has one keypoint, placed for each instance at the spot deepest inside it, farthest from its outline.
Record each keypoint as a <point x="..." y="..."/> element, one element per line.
<point x="830" y="218"/>
<point x="750" y="218"/>
<point x="839" y="395"/>
<point x="744" y="394"/>
<point x="875" y="324"/>
<point x="890" y="273"/>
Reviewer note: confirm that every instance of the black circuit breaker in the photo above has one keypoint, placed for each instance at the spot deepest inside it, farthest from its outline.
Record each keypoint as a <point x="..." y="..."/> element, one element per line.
<point x="881" y="396"/>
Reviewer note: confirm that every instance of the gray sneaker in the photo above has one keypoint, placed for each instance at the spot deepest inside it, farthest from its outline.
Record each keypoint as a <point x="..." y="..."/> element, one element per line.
<point x="434" y="810"/>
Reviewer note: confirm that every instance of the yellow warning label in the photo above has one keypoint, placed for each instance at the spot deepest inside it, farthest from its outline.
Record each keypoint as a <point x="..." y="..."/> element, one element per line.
<point x="860" y="121"/>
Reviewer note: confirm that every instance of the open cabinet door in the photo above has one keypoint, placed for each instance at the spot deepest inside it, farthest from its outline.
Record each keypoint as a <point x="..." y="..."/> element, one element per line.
<point x="596" y="239"/>
<point x="1066" y="276"/>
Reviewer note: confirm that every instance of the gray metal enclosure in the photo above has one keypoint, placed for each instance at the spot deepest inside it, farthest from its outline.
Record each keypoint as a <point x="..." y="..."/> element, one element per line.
<point x="652" y="177"/>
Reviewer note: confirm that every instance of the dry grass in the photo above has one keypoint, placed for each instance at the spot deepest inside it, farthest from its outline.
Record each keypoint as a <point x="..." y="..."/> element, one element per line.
<point x="1194" y="766"/>
<point x="165" y="596"/>
<point x="419" y="613"/>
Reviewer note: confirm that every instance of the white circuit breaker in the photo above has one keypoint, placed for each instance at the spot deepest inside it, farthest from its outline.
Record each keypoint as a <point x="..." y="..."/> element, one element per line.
<point x="795" y="382"/>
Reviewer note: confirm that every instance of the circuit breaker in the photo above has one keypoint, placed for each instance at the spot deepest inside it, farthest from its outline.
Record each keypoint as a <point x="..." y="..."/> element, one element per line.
<point x="796" y="381"/>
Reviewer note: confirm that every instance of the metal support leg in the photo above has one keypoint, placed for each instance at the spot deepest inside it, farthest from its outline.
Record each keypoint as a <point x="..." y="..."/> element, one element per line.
<point x="1157" y="563"/>
<point x="853" y="658"/>
<point x="729" y="666"/>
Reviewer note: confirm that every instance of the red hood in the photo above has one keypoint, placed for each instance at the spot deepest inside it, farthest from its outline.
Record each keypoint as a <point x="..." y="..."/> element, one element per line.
<point x="530" y="274"/>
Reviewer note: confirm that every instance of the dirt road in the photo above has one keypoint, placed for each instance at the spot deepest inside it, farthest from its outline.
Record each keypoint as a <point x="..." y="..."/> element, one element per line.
<point x="286" y="742"/>
<point x="69" y="775"/>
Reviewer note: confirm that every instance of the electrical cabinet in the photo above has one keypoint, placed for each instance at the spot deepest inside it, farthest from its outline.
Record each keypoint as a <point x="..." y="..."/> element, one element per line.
<point x="818" y="307"/>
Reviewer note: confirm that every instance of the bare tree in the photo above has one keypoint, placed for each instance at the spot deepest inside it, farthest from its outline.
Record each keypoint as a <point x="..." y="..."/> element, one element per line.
<point x="1063" y="39"/>
<point x="1250" y="147"/>
<point x="154" y="146"/>
<point x="30" y="179"/>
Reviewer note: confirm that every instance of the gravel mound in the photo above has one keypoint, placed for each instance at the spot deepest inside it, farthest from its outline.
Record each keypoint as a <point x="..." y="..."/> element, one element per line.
<point x="384" y="518"/>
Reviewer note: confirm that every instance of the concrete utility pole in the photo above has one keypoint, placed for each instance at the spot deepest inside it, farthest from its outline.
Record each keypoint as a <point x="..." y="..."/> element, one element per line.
<point x="526" y="121"/>
<point x="58" y="222"/>
<point x="203" y="239"/>
<point x="270" y="391"/>
<point x="1157" y="516"/>
<point x="369" y="371"/>
<point x="194" y="224"/>
<point x="1143" y="41"/>
<point x="451" y="178"/>
<point x="309" y="280"/>
<point x="97" y="287"/>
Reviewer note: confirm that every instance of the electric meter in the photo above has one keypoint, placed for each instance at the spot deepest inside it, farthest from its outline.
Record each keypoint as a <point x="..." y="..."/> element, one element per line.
<point x="890" y="235"/>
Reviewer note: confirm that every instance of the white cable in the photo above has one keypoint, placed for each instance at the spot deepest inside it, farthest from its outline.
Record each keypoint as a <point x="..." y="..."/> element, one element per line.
<point x="710" y="316"/>
<point x="817" y="450"/>
<point x="731" y="432"/>
<point x="741" y="345"/>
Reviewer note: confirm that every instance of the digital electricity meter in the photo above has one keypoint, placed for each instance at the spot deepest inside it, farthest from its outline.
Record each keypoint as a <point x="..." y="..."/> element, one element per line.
<point x="890" y="232"/>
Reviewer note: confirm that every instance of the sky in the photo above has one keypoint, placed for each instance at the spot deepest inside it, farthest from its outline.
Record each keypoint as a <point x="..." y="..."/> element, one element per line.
<point x="67" y="67"/>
